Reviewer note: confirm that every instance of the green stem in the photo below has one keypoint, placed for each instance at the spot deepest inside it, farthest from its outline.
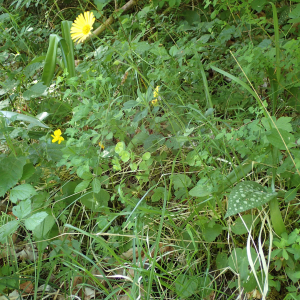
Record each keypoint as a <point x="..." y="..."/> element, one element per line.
<point x="275" y="214"/>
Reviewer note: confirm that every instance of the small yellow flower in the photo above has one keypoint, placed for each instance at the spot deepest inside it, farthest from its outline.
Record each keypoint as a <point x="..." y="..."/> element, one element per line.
<point x="155" y="93"/>
<point x="82" y="26"/>
<point x="102" y="146"/>
<point x="57" y="136"/>
<point x="154" y="102"/>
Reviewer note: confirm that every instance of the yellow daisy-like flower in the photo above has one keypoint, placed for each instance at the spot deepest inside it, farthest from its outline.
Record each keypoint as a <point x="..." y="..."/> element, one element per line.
<point x="102" y="146"/>
<point x="57" y="136"/>
<point x="82" y="26"/>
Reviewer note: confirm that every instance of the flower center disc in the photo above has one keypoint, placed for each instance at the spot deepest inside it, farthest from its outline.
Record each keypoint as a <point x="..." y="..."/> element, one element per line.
<point x="86" y="29"/>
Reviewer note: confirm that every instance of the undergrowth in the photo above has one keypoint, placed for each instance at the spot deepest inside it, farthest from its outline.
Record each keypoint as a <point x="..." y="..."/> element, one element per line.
<point x="159" y="159"/>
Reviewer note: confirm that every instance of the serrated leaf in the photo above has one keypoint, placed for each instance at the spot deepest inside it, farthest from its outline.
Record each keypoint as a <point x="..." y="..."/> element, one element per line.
<point x="8" y="229"/>
<point x="21" y="192"/>
<point x="82" y="186"/>
<point x="275" y="139"/>
<point x="158" y="194"/>
<point x="23" y="209"/>
<point x="32" y="222"/>
<point x="181" y="181"/>
<point x="247" y="195"/>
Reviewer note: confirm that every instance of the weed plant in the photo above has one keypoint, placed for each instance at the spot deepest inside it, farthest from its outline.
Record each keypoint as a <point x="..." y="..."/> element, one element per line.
<point x="158" y="159"/>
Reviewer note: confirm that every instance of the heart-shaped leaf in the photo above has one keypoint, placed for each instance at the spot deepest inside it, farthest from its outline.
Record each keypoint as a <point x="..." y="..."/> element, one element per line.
<point x="247" y="195"/>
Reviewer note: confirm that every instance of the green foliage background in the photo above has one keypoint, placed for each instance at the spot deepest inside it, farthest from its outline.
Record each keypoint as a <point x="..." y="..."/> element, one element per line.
<point x="194" y="196"/>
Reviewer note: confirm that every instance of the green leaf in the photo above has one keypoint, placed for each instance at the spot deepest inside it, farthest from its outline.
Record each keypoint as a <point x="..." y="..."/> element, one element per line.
<point x="290" y="195"/>
<point x="201" y="190"/>
<point x="20" y="117"/>
<point x="35" y="90"/>
<point x="21" y="192"/>
<point x="181" y="181"/>
<point x="185" y="285"/>
<point x="50" y="61"/>
<point x="28" y="171"/>
<point x="69" y="56"/>
<point x="23" y="209"/>
<point x="222" y="260"/>
<point x="276" y="140"/>
<point x="33" y="221"/>
<point x="42" y="231"/>
<point x="82" y="186"/>
<point x="294" y="276"/>
<point x="96" y="185"/>
<point x="239" y="228"/>
<point x="211" y="232"/>
<point x="238" y="261"/>
<point x="125" y="156"/>
<point x="96" y="202"/>
<point x="119" y="147"/>
<point x="158" y="194"/>
<point x="11" y="170"/>
<point x="247" y="195"/>
<point x="146" y="156"/>
<point x="8" y="229"/>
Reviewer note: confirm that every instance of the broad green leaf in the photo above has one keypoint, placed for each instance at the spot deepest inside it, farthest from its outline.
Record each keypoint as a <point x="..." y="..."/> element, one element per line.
<point x="119" y="147"/>
<point x="146" y="156"/>
<point x="8" y="229"/>
<point x="239" y="228"/>
<point x="125" y="156"/>
<point x="201" y="190"/>
<point x="238" y="261"/>
<point x="11" y="170"/>
<point x="282" y="123"/>
<point x="82" y="186"/>
<point x="33" y="221"/>
<point x="21" y="117"/>
<point x="96" y="185"/>
<point x="96" y="202"/>
<point x="35" y="90"/>
<point x="23" y="209"/>
<point x="28" y="171"/>
<point x="21" y="192"/>
<point x="276" y="140"/>
<point x="211" y="232"/>
<point x="222" y="260"/>
<point x="247" y="195"/>
<point x="44" y="227"/>
<point x="186" y="285"/>
<point x="158" y="194"/>
<point x="181" y="181"/>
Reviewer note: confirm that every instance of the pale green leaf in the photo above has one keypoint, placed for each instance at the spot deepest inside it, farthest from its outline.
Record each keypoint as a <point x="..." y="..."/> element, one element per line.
<point x="21" y="192"/>
<point x="33" y="221"/>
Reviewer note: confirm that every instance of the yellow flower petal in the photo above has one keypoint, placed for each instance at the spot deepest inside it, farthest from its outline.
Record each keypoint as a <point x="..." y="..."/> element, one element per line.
<point x="57" y="136"/>
<point x="82" y="26"/>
